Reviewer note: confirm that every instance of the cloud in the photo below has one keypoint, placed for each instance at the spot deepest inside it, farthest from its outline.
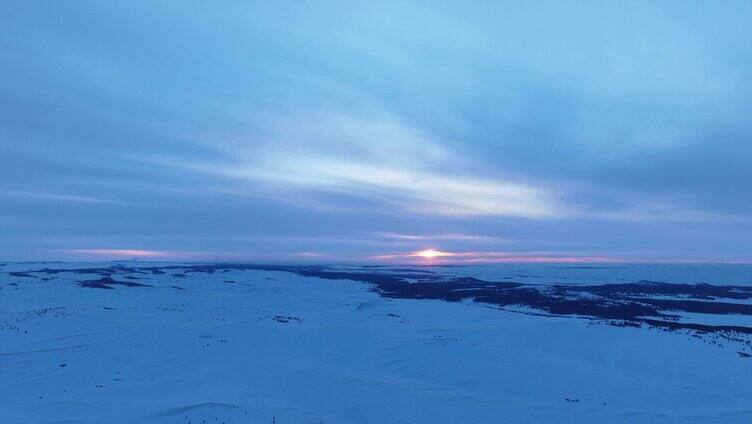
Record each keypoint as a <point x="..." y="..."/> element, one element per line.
<point x="55" y="197"/>
<point x="119" y="253"/>
<point x="430" y="237"/>
<point x="380" y="159"/>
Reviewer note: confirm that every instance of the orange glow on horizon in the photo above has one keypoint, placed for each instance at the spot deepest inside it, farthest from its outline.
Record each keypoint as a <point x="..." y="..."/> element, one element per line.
<point x="119" y="252"/>
<point x="431" y="253"/>
<point x="436" y="256"/>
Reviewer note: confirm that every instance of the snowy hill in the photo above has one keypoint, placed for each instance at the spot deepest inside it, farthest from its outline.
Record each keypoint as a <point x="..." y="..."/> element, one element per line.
<point x="174" y="343"/>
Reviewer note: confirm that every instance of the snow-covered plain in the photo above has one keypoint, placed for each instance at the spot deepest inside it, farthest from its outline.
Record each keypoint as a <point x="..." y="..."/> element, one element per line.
<point x="261" y="346"/>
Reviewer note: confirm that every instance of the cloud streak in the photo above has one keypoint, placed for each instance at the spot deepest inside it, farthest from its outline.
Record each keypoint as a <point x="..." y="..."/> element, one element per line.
<point x="119" y="253"/>
<point x="377" y="158"/>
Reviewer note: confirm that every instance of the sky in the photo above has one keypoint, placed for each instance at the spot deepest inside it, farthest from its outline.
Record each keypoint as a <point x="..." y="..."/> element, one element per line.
<point x="369" y="131"/>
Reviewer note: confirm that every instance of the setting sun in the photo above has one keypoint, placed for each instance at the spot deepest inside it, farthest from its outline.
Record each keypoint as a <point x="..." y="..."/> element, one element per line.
<point x="431" y="253"/>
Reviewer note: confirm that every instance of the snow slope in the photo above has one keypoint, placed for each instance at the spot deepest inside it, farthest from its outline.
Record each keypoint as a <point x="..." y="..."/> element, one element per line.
<point x="262" y="346"/>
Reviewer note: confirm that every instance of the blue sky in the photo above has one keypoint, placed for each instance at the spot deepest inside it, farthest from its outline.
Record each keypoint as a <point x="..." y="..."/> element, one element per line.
<point x="359" y="131"/>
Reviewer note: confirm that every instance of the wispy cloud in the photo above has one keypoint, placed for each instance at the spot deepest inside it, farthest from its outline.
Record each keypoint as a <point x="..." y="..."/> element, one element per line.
<point x="119" y="253"/>
<point x="380" y="159"/>
<point x="430" y="237"/>
<point x="55" y="197"/>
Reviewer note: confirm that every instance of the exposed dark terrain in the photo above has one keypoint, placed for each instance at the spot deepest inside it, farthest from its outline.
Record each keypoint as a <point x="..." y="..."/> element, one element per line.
<point x="657" y="304"/>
